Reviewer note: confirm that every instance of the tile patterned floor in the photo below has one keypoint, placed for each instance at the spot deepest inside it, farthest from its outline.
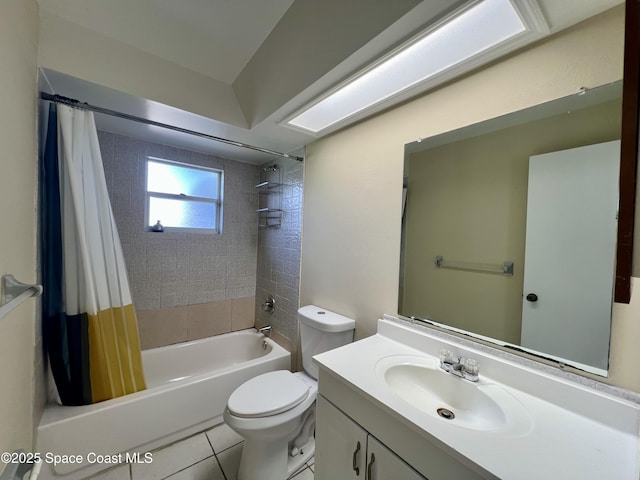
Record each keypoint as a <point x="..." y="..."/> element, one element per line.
<point x="211" y="455"/>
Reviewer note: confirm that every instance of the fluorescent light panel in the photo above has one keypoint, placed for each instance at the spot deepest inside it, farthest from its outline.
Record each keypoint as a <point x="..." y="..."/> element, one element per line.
<point x="476" y="30"/>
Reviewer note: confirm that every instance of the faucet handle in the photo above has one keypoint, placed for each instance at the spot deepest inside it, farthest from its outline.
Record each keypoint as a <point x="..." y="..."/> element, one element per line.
<point x="471" y="369"/>
<point x="446" y="356"/>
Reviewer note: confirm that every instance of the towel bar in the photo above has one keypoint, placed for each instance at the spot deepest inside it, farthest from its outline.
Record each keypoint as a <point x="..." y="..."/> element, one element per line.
<point x="505" y="269"/>
<point x="15" y="292"/>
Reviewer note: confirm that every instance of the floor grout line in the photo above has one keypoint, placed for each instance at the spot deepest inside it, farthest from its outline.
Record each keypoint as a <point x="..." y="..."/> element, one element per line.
<point x="225" y="475"/>
<point x="215" y="454"/>
<point x="189" y="466"/>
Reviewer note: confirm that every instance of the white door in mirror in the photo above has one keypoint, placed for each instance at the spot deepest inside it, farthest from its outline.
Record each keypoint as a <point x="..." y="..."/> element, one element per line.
<point x="569" y="253"/>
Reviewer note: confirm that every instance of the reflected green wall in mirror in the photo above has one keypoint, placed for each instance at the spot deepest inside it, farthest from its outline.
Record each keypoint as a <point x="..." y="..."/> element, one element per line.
<point x="467" y="200"/>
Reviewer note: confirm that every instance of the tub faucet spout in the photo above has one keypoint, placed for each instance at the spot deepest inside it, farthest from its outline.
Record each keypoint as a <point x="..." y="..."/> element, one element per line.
<point x="266" y="331"/>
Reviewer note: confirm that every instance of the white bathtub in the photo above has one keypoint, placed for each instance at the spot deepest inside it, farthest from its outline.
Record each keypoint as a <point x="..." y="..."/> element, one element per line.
<point x="188" y="386"/>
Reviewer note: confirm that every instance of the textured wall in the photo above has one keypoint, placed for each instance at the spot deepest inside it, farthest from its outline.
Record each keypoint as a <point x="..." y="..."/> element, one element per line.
<point x="353" y="178"/>
<point x="184" y="285"/>
<point x="279" y="256"/>
<point x="21" y="401"/>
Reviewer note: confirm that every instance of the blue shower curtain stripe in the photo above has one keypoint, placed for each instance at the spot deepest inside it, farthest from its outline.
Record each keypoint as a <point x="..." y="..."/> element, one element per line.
<point x="89" y="323"/>
<point x="64" y="335"/>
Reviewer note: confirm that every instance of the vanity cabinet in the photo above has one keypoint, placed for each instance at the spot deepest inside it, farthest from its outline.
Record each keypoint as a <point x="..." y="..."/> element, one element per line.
<point x="515" y="417"/>
<point x="347" y="415"/>
<point x="383" y="464"/>
<point x="346" y="451"/>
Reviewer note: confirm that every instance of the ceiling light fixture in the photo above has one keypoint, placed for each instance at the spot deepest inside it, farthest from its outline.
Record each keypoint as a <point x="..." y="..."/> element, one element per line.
<point x="464" y="41"/>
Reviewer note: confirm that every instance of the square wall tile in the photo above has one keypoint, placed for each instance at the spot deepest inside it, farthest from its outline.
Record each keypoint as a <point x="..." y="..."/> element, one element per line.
<point x="243" y="314"/>
<point x="173" y="269"/>
<point x="208" y="319"/>
<point x="162" y="327"/>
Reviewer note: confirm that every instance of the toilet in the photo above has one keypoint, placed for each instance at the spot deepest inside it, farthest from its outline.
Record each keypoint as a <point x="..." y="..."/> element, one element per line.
<point x="275" y="412"/>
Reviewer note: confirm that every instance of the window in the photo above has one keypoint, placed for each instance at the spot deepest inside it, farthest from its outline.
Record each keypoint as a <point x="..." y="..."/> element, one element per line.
<point x="183" y="197"/>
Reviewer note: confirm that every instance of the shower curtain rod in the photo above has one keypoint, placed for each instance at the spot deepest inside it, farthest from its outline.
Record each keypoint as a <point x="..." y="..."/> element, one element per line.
<point x="83" y="105"/>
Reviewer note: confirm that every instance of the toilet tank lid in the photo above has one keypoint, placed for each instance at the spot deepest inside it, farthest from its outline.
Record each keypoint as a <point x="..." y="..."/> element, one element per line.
<point x="325" y="320"/>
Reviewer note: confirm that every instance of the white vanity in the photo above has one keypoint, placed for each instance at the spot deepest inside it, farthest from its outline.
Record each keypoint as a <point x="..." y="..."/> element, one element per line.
<point x="378" y="402"/>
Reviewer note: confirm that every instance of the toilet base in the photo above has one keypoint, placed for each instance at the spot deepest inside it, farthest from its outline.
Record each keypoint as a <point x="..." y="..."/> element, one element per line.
<point x="306" y="453"/>
<point x="272" y="462"/>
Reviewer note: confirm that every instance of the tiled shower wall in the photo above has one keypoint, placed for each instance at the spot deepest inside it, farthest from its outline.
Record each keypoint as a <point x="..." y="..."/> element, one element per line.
<point x="279" y="258"/>
<point x="184" y="285"/>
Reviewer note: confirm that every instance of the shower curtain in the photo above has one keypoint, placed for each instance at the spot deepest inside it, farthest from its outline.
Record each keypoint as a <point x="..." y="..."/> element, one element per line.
<point x="89" y="323"/>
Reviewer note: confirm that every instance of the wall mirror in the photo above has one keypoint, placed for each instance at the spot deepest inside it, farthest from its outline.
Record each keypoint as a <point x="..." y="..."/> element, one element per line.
<point x="510" y="228"/>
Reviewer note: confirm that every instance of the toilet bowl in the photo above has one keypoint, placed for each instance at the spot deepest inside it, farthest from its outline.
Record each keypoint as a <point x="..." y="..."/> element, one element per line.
<point x="275" y="412"/>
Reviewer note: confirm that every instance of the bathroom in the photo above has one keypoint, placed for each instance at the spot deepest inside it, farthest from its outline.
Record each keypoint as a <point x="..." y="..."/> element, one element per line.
<point x="351" y="192"/>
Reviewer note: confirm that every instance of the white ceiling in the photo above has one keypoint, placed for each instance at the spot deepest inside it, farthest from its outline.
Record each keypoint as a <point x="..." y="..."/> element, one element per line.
<point x="225" y="40"/>
<point x="216" y="38"/>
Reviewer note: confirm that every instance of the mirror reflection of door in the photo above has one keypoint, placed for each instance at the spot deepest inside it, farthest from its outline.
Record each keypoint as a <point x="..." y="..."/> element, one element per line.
<point x="569" y="254"/>
<point x="467" y="201"/>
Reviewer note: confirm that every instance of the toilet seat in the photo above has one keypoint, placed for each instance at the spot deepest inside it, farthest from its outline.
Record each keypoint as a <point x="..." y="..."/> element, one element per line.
<point x="268" y="394"/>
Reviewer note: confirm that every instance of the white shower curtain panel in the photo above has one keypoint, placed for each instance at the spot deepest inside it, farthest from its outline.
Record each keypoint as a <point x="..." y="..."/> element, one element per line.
<point x="95" y="277"/>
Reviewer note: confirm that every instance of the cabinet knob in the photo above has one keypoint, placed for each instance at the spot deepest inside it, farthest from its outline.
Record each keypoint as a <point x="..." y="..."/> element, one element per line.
<point x="532" y="297"/>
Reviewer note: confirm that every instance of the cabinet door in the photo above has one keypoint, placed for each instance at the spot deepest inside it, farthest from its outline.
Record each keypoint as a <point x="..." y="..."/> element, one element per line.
<point x="340" y="445"/>
<point x="383" y="464"/>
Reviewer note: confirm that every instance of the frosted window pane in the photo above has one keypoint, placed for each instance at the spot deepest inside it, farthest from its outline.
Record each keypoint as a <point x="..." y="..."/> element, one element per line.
<point x="177" y="179"/>
<point x="182" y="213"/>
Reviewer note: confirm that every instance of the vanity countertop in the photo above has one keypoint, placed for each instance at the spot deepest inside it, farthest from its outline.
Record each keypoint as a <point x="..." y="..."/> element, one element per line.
<point x="572" y="431"/>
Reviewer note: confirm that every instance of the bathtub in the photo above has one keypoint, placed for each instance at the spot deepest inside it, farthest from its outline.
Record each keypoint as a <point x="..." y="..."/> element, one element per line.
<point x="188" y="385"/>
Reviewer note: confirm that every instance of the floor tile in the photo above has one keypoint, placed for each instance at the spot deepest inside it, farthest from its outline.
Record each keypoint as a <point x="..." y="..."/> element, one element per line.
<point x="305" y="474"/>
<point x="230" y="461"/>
<point x="120" y="472"/>
<point x="207" y="469"/>
<point x="222" y="437"/>
<point x="302" y="467"/>
<point x="172" y="459"/>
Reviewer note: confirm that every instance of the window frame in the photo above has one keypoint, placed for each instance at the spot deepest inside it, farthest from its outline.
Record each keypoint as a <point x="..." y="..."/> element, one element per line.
<point x="218" y="202"/>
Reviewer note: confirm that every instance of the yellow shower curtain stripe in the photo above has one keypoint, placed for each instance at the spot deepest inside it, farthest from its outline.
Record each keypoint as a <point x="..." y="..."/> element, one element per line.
<point x="115" y="359"/>
<point x="103" y="359"/>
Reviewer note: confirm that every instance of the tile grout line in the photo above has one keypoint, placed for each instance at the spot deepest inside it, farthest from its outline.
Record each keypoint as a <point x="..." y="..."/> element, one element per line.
<point x="189" y="466"/>
<point x="221" y="468"/>
<point x="215" y="454"/>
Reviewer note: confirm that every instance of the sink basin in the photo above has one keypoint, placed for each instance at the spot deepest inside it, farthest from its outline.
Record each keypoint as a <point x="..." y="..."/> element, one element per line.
<point x="481" y="406"/>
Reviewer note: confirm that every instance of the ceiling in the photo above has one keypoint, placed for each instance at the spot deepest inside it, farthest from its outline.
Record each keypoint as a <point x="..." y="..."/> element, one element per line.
<point x="216" y="38"/>
<point x="273" y="57"/>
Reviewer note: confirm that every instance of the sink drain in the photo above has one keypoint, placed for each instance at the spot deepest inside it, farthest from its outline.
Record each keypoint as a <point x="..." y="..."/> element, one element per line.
<point x="446" y="414"/>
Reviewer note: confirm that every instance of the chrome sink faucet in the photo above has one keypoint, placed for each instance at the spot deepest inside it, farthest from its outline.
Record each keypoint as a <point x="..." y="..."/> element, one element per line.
<point x="459" y="366"/>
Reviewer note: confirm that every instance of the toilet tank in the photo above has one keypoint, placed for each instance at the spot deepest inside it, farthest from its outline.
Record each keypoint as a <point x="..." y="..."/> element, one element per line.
<point x="321" y="330"/>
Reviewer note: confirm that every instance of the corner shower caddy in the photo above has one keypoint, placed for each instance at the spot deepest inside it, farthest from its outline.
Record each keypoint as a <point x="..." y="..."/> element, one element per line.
<point x="270" y="197"/>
